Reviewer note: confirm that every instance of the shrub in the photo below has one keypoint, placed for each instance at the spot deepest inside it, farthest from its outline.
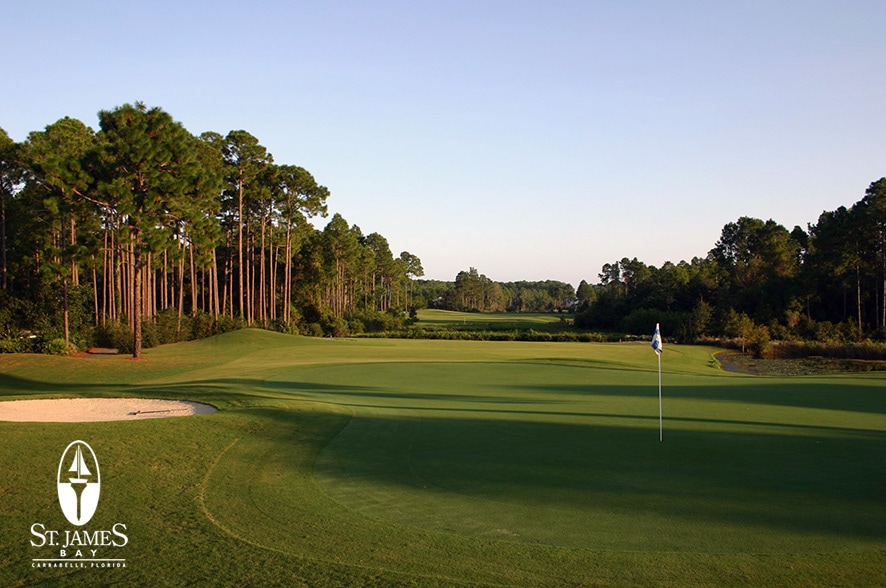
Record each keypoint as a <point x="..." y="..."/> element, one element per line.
<point x="758" y="340"/>
<point x="166" y="328"/>
<point x="14" y="345"/>
<point x="203" y="326"/>
<point x="116" y="335"/>
<point x="58" y="346"/>
<point x="335" y="326"/>
<point x="313" y="330"/>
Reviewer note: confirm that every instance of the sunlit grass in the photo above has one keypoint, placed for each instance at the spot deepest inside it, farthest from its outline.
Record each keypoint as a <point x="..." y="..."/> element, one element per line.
<point x="497" y="320"/>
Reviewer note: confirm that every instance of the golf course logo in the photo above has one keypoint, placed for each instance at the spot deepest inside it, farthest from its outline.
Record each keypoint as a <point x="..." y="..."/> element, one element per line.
<point x="79" y="483"/>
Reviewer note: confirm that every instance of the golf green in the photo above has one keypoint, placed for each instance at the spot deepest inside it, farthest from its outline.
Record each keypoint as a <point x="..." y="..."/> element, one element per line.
<point x="570" y="456"/>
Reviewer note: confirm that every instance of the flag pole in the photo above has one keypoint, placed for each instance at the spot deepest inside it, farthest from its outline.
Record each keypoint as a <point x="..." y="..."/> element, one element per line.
<point x="657" y="347"/>
<point x="660" y="425"/>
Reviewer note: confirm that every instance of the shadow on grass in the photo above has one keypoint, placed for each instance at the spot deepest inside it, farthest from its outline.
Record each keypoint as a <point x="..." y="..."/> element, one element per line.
<point x="10" y="385"/>
<point x="822" y="484"/>
<point x="806" y="394"/>
<point x="538" y="444"/>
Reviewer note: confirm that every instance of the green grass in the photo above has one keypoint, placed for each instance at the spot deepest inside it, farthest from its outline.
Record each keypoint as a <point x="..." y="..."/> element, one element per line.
<point x="491" y="320"/>
<point x="391" y="462"/>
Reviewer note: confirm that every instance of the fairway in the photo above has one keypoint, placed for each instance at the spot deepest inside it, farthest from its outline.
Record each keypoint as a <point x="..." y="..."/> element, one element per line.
<point x="496" y="320"/>
<point x="384" y="462"/>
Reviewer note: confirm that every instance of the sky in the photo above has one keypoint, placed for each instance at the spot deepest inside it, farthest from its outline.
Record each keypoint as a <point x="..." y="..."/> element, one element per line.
<point x="531" y="140"/>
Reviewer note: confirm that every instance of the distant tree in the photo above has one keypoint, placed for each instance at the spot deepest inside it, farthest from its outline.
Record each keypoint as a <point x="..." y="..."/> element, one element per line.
<point x="205" y="233"/>
<point x="58" y="185"/>
<point x="341" y="254"/>
<point x="585" y="293"/>
<point x="412" y="269"/>
<point x="702" y="316"/>
<point x="740" y="326"/>
<point x="871" y="213"/>
<point x="246" y="161"/>
<point x="474" y="291"/>
<point x="10" y="176"/>
<point x="832" y="266"/>
<point x="298" y="196"/>
<point x="147" y="170"/>
<point x="383" y="272"/>
<point x="760" y="261"/>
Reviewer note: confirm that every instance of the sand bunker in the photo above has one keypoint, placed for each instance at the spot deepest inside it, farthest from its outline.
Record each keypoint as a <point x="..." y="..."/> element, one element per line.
<point x="81" y="410"/>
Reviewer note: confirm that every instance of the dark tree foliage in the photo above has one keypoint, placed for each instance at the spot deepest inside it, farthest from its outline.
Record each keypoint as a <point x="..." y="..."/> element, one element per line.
<point x="825" y="283"/>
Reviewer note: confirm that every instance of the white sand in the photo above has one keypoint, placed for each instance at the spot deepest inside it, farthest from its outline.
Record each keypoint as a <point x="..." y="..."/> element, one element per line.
<point x="80" y="410"/>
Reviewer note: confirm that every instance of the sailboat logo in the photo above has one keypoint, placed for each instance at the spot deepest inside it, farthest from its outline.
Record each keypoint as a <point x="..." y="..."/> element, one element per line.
<point x="79" y="483"/>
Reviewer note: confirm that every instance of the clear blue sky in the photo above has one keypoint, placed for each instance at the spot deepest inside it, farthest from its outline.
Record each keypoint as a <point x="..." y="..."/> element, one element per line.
<point x="531" y="140"/>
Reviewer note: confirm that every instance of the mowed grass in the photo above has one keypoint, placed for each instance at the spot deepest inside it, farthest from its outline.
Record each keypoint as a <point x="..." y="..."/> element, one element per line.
<point x="491" y="320"/>
<point x="380" y="462"/>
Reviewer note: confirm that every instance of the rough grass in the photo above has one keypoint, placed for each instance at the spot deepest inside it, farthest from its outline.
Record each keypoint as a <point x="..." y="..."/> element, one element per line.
<point x="380" y="462"/>
<point x="802" y="366"/>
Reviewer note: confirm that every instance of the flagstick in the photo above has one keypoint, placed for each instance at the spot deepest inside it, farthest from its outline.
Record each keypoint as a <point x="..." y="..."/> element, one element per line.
<point x="660" y="427"/>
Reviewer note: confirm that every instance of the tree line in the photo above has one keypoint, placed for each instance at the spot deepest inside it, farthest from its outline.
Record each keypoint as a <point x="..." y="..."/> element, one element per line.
<point x="142" y="233"/>
<point x="475" y="292"/>
<point x="143" y="230"/>
<point x="760" y="281"/>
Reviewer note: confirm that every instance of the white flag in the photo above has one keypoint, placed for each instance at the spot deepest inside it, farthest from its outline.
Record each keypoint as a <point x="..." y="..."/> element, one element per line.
<point x="656" y="340"/>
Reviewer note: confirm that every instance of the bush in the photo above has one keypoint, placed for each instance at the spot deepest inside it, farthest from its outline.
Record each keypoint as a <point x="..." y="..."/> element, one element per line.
<point x="313" y="330"/>
<point x="867" y="351"/>
<point x="203" y="326"/>
<point x="335" y="327"/>
<point x="58" y="346"/>
<point x="758" y="341"/>
<point x="376" y="321"/>
<point x="166" y="328"/>
<point x="116" y="335"/>
<point x="14" y="345"/>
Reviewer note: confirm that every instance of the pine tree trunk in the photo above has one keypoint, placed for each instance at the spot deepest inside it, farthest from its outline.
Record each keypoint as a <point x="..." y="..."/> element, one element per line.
<point x="75" y="272"/>
<point x="109" y="274"/>
<point x="116" y="279"/>
<point x="135" y="297"/>
<point x="215" y="308"/>
<point x="241" y="285"/>
<point x="95" y="291"/>
<point x="193" y="281"/>
<point x="261" y="277"/>
<point x="164" y="300"/>
<point x="858" y="292"/>
<point x="131" y="295"/>
<point x="4" y="280"/>
<point x="66" y="312"/>
<point x="247" y="283"/>
<point x="287" y="286"/>
<point x="181" y="292"/>
<point x="272" y="279"/>
<point x="226" y="285"/>
<point x="150" y="298"/>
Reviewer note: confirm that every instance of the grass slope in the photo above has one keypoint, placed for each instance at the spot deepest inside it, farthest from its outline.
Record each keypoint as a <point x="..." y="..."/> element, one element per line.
<point x="380" y="462"/>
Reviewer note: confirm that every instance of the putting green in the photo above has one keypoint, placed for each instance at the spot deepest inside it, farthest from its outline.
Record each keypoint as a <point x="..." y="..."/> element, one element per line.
<point x="569" y="456"/>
